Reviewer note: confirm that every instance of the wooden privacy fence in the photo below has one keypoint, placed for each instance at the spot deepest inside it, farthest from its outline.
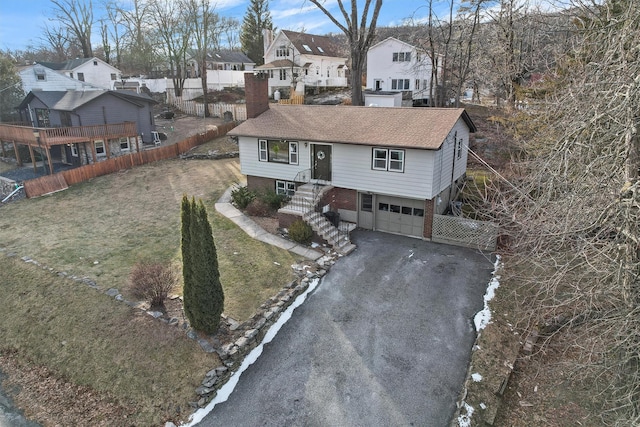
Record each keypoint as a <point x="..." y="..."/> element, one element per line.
<point x="294" y="100"/>
<point x="61" y="180"/>
<point x="455" y="230"/>
<point x="194" y="108"/>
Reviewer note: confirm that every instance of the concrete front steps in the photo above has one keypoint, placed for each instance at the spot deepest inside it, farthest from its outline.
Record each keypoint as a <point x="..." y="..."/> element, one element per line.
<point x="339" y="240"/>
<point x="303" y="203"/>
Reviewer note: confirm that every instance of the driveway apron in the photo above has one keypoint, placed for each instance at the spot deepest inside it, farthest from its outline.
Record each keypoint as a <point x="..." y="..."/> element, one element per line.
<point x="385" y="340"/>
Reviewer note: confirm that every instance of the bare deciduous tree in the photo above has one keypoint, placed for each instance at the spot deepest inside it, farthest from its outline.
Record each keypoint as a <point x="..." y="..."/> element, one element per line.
<point x="360" y="35"/>
<point x="203" y="22"/>
<point x="77" y="17"/>
<point x="574" y="215"/>
<point x="173" y="28"/>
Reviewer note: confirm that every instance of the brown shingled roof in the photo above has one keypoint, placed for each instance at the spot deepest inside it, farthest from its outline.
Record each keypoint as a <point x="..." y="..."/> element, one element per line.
<point x="278" y="63"/>
<point x="422" y="128"/>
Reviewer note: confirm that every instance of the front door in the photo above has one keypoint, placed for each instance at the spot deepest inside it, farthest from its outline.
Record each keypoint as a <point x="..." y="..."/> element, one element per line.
<point x="321" y="162"/>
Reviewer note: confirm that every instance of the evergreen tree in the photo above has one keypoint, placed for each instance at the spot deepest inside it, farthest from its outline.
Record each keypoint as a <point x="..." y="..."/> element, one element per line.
<point x="255" y="20"/>
<point x="203" y="293"/>
<point x="11" y="92"/>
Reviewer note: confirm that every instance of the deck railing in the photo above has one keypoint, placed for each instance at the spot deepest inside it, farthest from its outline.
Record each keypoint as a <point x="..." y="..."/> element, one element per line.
<point x="52" y="136"/>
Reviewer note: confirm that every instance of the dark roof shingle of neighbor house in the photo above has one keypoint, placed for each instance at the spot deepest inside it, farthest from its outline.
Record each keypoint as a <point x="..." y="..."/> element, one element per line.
<point x="67" y="65"/>
<point x="317" y="45"/>
<point x="70" y="100"/>
<point x="421" y="128"/>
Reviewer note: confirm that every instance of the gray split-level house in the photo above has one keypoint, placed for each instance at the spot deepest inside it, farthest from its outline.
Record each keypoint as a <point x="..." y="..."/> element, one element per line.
<point x="386" y="169"/>
<point x="82" y="127"/>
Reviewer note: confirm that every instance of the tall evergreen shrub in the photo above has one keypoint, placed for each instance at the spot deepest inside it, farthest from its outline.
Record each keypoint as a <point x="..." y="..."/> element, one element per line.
<point x="203" y="293"/>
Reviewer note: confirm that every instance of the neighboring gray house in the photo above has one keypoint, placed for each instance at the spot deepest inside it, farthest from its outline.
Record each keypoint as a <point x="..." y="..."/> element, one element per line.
<point x="90" y="125"/>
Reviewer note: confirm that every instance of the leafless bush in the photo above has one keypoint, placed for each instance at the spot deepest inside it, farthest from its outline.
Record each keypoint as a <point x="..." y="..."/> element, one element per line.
<point x="258" y="207"/>
<point x="153" y="282"/>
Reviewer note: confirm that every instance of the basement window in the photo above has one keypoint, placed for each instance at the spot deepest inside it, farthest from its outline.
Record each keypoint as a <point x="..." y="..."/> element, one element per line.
<point x="286" y="188"/>
<point x="124" y="144"/>
<point x="100" y="150"/>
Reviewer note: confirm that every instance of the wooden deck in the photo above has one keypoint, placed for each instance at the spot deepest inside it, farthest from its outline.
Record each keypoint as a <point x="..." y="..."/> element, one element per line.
<point x="67" y="135"/>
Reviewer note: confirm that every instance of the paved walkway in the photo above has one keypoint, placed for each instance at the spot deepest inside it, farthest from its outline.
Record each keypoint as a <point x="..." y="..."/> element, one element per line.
<point x="225" y="207"/>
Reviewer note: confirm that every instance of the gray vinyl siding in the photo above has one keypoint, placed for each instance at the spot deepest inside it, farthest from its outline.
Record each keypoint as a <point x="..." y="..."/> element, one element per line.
<point x="110" y="109"/>
<point x="443" y="160"/>
<point x="251" y="165"/>
<point x="352" y="168"/>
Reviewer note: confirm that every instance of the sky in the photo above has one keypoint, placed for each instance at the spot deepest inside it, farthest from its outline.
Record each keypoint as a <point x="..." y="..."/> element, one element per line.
<point x="21" y="22"/>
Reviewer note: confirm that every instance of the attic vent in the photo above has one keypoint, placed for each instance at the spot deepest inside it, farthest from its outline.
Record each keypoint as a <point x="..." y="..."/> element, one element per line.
<point x="306" y="47"/>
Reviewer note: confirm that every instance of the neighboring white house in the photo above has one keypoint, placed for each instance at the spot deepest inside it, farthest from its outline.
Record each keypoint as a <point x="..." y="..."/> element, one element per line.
<point x="222" y="60"/>
<point x="302" y="60"/>
<point x="387" y="169"/>
<point x="90" y="70"/>
<point x="38" y="77"/>
<point x="393" y="65"/>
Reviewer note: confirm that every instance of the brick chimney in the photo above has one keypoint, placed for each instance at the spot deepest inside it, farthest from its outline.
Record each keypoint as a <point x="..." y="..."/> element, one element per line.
<point x="256" y="90"/>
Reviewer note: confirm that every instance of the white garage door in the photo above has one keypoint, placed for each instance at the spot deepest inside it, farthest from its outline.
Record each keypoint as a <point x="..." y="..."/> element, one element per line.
<point x="402" y="216"/>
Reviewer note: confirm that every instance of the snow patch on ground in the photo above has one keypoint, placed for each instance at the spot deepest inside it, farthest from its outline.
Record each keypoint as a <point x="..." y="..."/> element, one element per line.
<point x="483" y="317"/>
<point x="481" y="320"/>
<point x="226" y="390"/>
<point x="465" y="420"/>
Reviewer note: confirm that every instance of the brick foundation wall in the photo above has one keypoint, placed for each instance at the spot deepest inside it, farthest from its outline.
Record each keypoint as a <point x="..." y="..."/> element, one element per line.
<point x="428" y="218"/>
<point x="257" y="183"/>
<point x="341" y="198"/>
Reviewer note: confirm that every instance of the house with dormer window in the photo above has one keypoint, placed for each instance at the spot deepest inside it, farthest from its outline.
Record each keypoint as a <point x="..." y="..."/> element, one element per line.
<point x="297" y="61"/>
<point x="94" y="71"/>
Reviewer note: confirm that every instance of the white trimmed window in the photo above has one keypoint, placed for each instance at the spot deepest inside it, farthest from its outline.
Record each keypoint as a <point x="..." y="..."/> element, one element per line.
<point x="100" y="150"/>
<point x="459" y="148"/>
<point x="400" y="84"/>
<point x="286" y="187"/>
<point x="278" y="151"/>
<point x="388" y="159"/>
<point x="283" y="74"/>
<point x="124" y="144"/>
<point x="396" y="160"/>
<point x="401" y="56"/>
<point x="293" y="153"/>
<point x="262" y="148"/>
<point x="380" y="159"/>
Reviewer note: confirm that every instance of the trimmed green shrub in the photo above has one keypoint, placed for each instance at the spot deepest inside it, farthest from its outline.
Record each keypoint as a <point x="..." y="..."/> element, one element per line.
<point x="242" y="196"/>
<point x="300" y="232"/>
<point x="273" y="200"/>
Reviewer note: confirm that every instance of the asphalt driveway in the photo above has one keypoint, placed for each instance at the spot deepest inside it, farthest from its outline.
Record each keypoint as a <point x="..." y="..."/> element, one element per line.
<point x="384" y="340"/>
